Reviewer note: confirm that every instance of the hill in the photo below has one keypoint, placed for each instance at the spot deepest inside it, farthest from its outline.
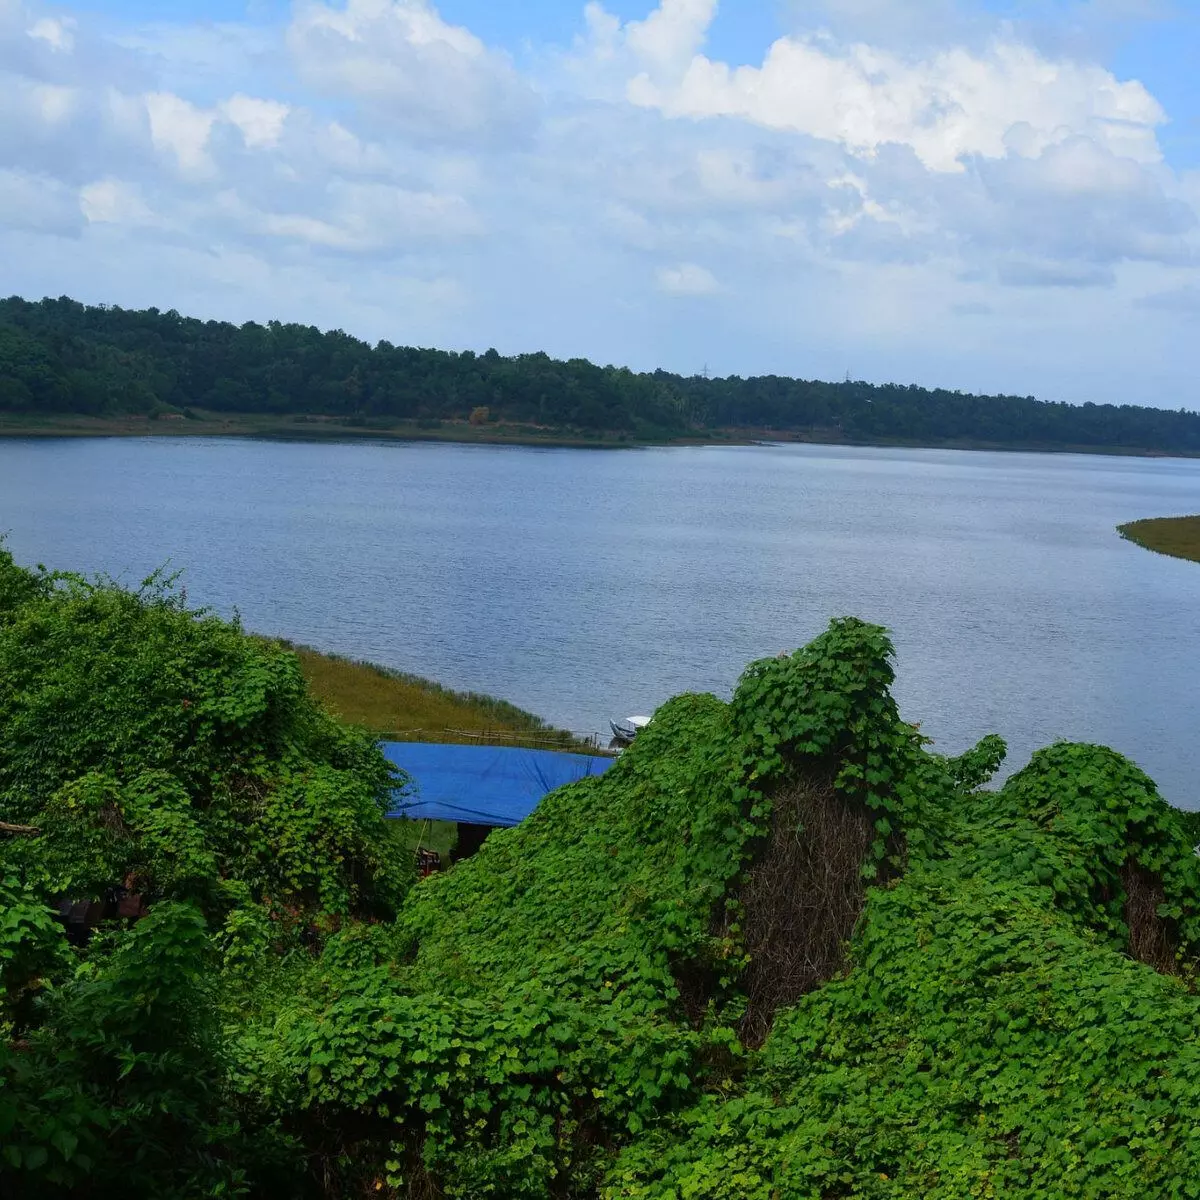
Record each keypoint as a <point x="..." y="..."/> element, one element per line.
<point x="61" y="359"/>
<point x="778" y="949"/>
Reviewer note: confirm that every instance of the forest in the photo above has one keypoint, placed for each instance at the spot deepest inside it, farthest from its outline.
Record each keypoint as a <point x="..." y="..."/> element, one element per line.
<point x="61" y="357"/>
<point x="779" y="949"/>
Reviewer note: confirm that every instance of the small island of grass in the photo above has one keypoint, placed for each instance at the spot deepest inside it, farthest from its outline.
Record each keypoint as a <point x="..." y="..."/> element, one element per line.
<point x="1178" y="537"/>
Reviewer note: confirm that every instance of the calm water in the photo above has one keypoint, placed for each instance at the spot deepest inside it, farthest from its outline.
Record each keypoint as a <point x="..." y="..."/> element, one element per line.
<point x="585" y="584"/>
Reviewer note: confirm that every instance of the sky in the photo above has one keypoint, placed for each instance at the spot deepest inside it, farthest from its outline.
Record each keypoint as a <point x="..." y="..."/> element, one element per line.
<point x="990" y="195"/>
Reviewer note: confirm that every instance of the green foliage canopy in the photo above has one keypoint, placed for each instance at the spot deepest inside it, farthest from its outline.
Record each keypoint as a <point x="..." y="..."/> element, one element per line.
<point x="163" y="747"/>
<point x="558" y="1016"/>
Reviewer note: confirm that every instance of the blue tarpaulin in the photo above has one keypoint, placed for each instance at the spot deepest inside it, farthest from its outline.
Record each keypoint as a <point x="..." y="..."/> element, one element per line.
<point x="482" y="785"/>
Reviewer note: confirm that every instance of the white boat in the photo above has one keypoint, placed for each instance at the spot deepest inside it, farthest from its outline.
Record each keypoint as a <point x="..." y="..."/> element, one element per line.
<point x="625" y="731"/>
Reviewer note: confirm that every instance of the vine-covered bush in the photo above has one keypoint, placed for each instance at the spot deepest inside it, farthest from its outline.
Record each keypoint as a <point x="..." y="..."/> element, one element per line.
<point x="779" y="949"/>
<point x="146" y="749"/>
<point x="164" y="750"/>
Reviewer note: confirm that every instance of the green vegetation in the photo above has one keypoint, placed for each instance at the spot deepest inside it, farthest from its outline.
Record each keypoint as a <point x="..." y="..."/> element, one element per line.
<point x="165" y="752"/>
<point x="438" y="836"/>
<point x="68" y="368"/>
<point x="779" y="949"/>
<point x="1177" y="536"/>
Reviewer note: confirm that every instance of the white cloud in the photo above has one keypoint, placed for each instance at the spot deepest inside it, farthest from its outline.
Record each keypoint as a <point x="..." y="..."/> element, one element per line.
<point x="182" y="130"/>
<point x="56" y="33"/>
<point x="365" y="217"/>
<point x="1079" y="203"/>
<point x="55" y="104"/>
<point x="672" y="34"/>
<point x="687" y="279"/>
<point x="947" y="108"/>
<point x="114" y="202"/>
<point x="403" y="62"/>
<point x="260" y="121"/>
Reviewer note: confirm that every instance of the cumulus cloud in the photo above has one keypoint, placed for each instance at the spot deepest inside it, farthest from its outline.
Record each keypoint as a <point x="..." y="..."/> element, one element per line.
<point x="181" y="130"/>
<point x="669" y="38"/>
<point x="1080" y="203"/>
<point x="114" y="202"/>
<point x="400" y="60"/>
<point x="260" y="121"/>
<point x="361" y="218"/>
<point x="947" y="108"/>
<point x="55" y="32"/>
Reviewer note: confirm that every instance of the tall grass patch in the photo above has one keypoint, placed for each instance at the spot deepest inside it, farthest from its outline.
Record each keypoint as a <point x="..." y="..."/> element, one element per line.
<point x="1178" y="537"/>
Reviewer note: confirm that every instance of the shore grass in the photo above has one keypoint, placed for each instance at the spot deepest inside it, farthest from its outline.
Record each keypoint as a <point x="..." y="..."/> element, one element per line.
<point x="400" y="707"/>
<point x="1178" y="537"/>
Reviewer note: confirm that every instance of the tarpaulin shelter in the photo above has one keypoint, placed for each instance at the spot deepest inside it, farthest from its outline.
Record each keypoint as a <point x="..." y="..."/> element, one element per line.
<point x="482" y="785"/>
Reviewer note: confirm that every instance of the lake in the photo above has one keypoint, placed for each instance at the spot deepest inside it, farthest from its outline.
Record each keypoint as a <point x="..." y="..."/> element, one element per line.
<point x="586" y="584"/>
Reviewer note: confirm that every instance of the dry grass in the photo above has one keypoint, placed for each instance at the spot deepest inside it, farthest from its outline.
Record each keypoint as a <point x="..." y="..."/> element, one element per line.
<point x="1177" y="536"/>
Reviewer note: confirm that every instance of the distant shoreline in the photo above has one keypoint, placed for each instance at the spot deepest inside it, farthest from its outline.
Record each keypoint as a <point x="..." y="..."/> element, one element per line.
<point x="324" y="429"/>
<point x="140" y="371"/>
<point x="285" y="428"/>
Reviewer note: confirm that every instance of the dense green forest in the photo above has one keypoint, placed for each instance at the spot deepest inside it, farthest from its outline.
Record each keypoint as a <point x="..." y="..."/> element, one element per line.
<point x="779" y="949"/>
<point x="61" y="357"/>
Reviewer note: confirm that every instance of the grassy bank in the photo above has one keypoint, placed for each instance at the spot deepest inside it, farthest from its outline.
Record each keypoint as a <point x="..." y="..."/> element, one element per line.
<point x="1177" y="536"/>
<point x="400" y="707"/>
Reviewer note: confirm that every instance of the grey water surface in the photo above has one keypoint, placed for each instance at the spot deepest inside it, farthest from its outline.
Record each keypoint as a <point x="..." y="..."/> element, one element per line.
<point x="588" y="584"/>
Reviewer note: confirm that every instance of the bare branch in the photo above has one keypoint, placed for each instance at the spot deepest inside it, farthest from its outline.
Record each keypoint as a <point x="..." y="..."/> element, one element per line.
<point x="5" y="827"/>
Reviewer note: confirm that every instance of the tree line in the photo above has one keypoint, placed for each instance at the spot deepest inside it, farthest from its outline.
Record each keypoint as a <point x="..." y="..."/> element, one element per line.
<point x="60" y="357"/>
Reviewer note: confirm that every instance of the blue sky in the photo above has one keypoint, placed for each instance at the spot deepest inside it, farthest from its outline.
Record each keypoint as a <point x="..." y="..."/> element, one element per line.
<point x="996" y="195"/>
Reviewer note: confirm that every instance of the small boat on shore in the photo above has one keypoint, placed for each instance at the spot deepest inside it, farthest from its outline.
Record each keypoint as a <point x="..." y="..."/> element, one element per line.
<point x="625" y="731"/>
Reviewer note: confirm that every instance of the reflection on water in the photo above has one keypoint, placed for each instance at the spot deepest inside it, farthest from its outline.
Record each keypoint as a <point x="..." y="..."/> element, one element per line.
<point x="586" y="585"/>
